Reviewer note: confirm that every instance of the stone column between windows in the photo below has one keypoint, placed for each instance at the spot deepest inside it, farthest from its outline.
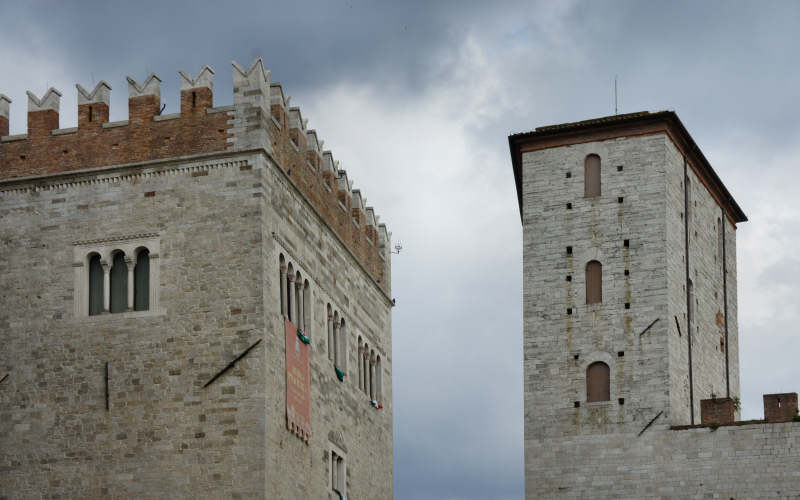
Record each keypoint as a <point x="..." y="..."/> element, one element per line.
<point x="129" y="263"/>
<point x="336" y="345"/>
<point x="283" y="291"/>
<point x="300" y="318"/>
<point x="331" y="345"/>
<point x="106" y="285"/>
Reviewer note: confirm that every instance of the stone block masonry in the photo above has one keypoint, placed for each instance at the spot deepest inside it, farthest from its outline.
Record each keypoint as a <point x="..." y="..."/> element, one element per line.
<point x="616" y="380"/>
<point x="115" y="405"/>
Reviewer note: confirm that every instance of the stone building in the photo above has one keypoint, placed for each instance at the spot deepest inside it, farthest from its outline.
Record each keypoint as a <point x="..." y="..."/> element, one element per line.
<point x="193" y="305"/>
<point x="630" y="343"/>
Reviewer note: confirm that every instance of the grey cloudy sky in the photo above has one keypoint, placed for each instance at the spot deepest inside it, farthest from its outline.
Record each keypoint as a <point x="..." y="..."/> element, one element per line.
<point x="417" y="100"/>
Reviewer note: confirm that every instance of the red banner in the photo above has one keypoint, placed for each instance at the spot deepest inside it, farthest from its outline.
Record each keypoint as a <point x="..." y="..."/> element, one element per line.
<point x="298" y="384"/>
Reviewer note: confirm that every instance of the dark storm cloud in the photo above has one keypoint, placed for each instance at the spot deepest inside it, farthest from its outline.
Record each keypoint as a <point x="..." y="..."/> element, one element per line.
<point x="417" y="99"/>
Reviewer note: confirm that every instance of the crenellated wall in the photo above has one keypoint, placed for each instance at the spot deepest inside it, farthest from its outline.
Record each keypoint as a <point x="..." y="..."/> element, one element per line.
<point x="260" y="118"/>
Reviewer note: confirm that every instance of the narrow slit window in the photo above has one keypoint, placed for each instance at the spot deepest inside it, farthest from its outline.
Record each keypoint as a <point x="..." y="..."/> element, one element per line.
<point x="598" y="382"/>
<point x="141" y="281"/>
<point x="591" y="176"/>
<point x="594" y="282"/>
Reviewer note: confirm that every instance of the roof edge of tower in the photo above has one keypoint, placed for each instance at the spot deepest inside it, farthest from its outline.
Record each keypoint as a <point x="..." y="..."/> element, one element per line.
<point x="630" y="124"/>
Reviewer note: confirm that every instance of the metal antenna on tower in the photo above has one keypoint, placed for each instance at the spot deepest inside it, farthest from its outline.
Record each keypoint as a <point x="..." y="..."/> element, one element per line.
<point x="616" y="110"/>
<point x="397" y="248"/>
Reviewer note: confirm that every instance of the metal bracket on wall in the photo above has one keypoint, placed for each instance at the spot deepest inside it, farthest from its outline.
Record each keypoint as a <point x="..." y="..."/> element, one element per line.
<point x="4" y="378"/>
<point x="230" y="365"/>
<point x="650" y="423"/>
<point x="649" y="326"/>
<point x="679" y="326"/>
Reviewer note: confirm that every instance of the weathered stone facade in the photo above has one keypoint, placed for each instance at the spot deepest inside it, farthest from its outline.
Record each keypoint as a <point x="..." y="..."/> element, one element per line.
<point x="223" y="215"/>
<point x="662" y="357"/>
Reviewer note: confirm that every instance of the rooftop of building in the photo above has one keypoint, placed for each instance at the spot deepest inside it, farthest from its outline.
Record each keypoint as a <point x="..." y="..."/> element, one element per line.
<point x="624" y="125"/>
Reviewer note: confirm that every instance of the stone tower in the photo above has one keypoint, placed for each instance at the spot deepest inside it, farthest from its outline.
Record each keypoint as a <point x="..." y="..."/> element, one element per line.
<point x="194" y="304"/>
<point x="629" y="286"/>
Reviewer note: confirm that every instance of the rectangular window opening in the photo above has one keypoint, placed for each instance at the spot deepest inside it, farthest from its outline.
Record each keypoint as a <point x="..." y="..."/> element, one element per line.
<point x="627" y="272"/>
<point x="569" y="175"/>
<point x="569" y="310"/>
<point x="622" y="401"/>
<point x="577" y="404"/>
<point x="619" y="168"/>
<point x="569" y="206"/>
<point x="621" y="354"/>
<point x="569" y="250"/>
<point x="569" y="277"/>
<point x="627" y="305"/>
<point x="620" y="199"/>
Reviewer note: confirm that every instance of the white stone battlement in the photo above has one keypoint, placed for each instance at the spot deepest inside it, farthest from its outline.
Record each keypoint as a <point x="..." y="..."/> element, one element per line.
<point x="151" y="86"/>
<point x="51" y="100"/>
<point x="4" y="105"/>
<point x="205" y="78"/>
<point x="100" y="95"/>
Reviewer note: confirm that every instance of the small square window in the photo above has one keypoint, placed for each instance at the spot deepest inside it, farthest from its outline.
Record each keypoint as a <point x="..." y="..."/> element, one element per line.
<point x="621" y="401"/>
<point x="577" y="356"/>
<point x="627" y="305"/>
<point x="569" y="174"/>
<point x="619" y="168"/>
<point x="627" y="273"/>
<point x="621" y="354"/>
<point x="569" y="206"/>
<point x="626" y="243"/>
<point x="577" y="404"/>
<point x="569" y="310"/>
<point x="569" y="277"/>
<point x="569" y="250"/>
<point x="619" y="200"/>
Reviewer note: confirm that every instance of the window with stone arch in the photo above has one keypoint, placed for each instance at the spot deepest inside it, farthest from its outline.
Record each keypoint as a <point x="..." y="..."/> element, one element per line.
<point x="598" y="382"/>
<point x="365" y="368"/>
<point x="594" y="282"/>
<point x="360" y="364"/>
<point x="591" y="176"/>
<point x="295" y="292"/>
<point x="378" y="379"/>
<point x="116" y="276"/>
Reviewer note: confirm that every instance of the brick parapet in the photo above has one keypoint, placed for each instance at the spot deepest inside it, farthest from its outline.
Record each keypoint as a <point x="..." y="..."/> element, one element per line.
<point x="717" y="411"/>
<point x="780" y="407"/>
<point x="260" y="118"/>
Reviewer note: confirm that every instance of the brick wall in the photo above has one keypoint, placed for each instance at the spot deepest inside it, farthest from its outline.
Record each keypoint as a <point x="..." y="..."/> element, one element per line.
<point x="780" y="407"/>
<point x="717" y="411"/>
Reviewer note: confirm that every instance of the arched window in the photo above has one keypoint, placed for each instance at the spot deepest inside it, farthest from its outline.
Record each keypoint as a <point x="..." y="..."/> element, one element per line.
<point x="290" y="293"/>
<point x="365" y="365"/>
<point x="95" y="285"/>
<point x="591" y="176"/>
<point x="119" y="283"/>
<point x="141" y="281"/>
<point x="306" y="307"/>
<point x="378" y="380"/>
<point x="331" y="345"/>
<point x="360" y="364"/>
<point x="594" y="282"/>
<point x="598" y="382"/>
<point x="336" y="333"/>
<point x="342" y="347"/>
<point x="282" y="282"/>
<point x="372" y="375"/>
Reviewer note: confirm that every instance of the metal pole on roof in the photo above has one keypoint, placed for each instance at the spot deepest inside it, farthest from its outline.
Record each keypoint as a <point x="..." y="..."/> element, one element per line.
<point x="616" y="110"/>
